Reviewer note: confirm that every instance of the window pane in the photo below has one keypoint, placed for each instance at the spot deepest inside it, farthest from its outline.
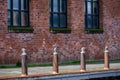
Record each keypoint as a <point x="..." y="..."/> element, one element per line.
<point x="89" y="22"/>
<point x="55" y="5"/>
<point x="18" y="15"/>
<point x="24" y="5"/>
<point x="91" y="14"/>
<point x="89" y="7"/>
<point x="95" y="8"/>
<point x="58" y="13"/>
<point x="95" y="22"/>
<point x="63" y="5"/>
<point x="16" y="18"/>
<point x="55" y="20"/>
<point x="62" y="20"/>
<point x="8" y="4"/>
<point x="9" y="18"/>
<point x="15" y="4"/>
<point x="94" y="0"/>
<point x="24" y="19"/>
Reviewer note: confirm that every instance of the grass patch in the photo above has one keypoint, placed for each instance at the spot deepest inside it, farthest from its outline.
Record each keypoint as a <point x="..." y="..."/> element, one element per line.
<point x="29" y="65"/>
<point x="5" y="67"/>
<point x="60" y="30"/>
<point x="93" y="30"/>
<point x="63" y="63"/>
<point x="78" y="62"/>
<point x="16" y="29"/>
<point x="115" y="60"/>
<point x="41" y="65"/>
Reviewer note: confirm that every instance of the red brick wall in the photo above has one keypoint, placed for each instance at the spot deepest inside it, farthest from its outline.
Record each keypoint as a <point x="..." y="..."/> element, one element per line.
<point x="68" y="44"/>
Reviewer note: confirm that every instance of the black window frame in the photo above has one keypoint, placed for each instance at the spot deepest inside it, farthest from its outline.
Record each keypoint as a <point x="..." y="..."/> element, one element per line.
<point x="92" y="15"/>
<point x="59" y="13"/>
<point x="19" y="10"/>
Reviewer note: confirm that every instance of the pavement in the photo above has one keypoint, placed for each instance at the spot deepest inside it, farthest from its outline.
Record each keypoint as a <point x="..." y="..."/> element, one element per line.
<point x="48" y="70"/>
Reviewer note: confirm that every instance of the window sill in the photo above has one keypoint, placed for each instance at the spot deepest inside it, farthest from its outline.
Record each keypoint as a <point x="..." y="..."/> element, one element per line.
<point x="60" y="30"/>
<point x="94" y="31"/>
<point x="20" y="29"/>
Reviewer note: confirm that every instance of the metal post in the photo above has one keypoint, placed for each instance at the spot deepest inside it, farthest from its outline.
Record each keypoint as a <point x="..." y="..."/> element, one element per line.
<point x="24" y="63"/>
<point x="55" y="62"/>
<point x="106" y="59"/>
<point x="83" y="64"/>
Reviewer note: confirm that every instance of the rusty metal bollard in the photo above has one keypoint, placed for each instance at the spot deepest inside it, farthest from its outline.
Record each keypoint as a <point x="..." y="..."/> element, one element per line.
<point x="106" y="59"/>
<point x="24" y="63"/>
<point x="83" y="64"/>
<point x="55" y="62"/>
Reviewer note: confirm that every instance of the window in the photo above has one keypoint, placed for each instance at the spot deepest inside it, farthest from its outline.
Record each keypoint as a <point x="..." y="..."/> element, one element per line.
<point x="58" y="13"/>
<point x="18" y="13"/>
<point x="91" y="14"/>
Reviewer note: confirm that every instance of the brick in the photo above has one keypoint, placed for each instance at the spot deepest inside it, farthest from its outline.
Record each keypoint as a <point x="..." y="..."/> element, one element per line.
<point x="68" y="44"/>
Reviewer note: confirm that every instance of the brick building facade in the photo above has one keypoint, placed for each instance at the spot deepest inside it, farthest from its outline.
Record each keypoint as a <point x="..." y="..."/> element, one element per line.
<point x="39" y="43"/>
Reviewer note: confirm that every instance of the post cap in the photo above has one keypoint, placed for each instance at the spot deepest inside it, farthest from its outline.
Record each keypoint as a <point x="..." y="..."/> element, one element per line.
<point x="106" y="49"/>
<point x="83" y="50"/>
<point x="55" y="51"/>
<point x="23" y="51"/>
